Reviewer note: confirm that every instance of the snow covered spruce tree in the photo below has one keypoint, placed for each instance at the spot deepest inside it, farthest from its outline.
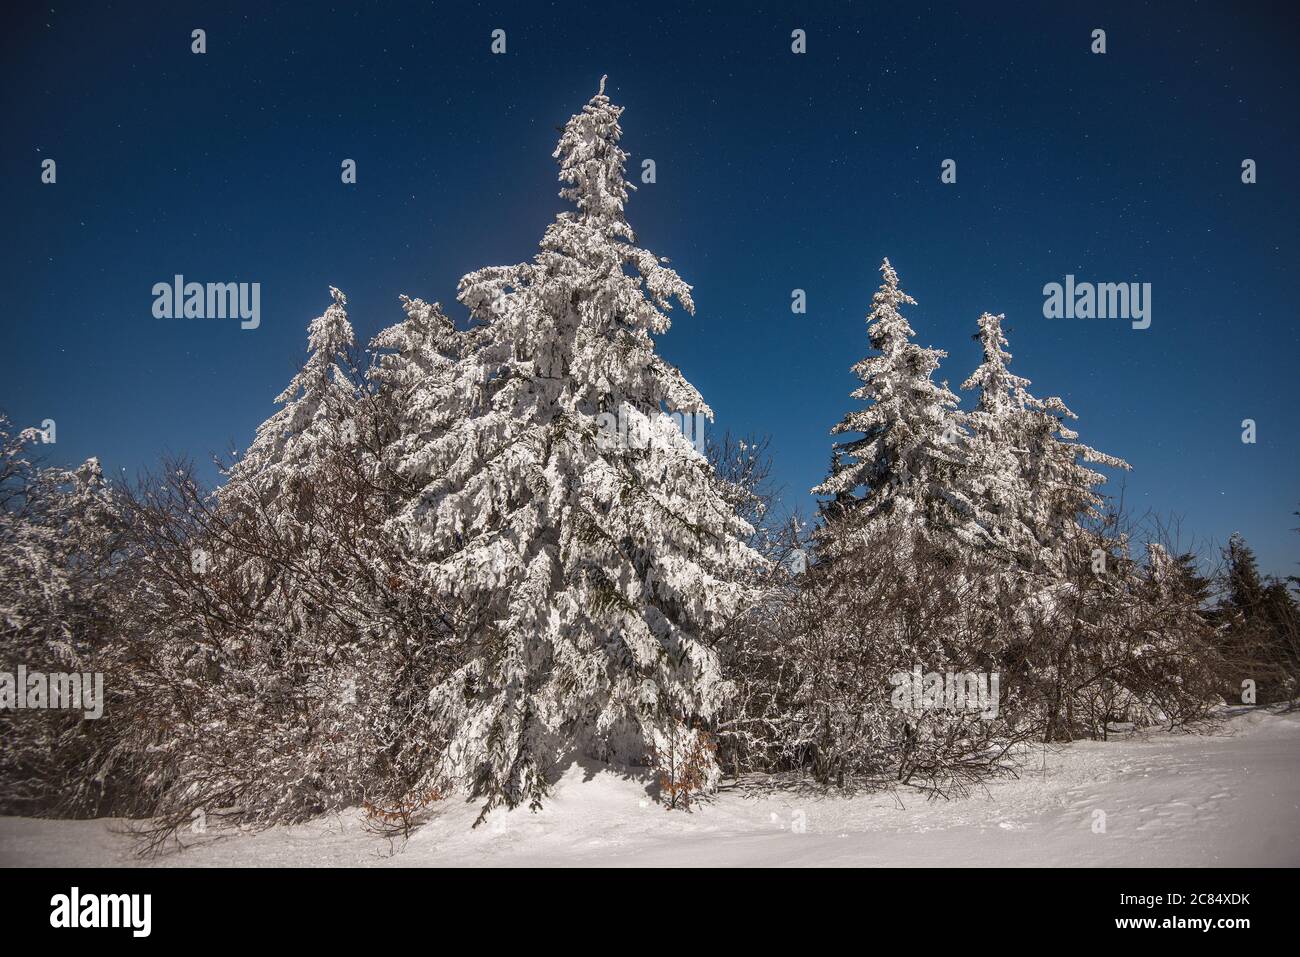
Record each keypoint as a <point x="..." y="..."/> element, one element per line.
<point x="898" y="557"/>
<point x="1028" y="471"/>
<point x="292" y="640"/>
<point x="421" y="389"/>
<point x="273" y="495"/>
<point x="418" y="393"/>
<point x="1258" y="628"/>
<point x="907" y="464"/>
<point x="316" y="416"/>
<point x="594" y="568"/>
<point x="266" y="591"/>
<point x="996" y="450"/>
<point x="1094" y="637"/>
<point x="315" y="509"/>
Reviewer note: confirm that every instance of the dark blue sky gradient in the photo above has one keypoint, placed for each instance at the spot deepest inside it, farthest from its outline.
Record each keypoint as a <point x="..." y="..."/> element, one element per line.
<point x="775" y="171"/>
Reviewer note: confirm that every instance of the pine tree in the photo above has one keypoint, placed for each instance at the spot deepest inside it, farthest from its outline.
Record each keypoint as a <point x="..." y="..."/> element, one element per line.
<point x="909" y="458"/>
<point x="1245" y="587"/>
<point x="1260" y="625"/>
<point x="416" y="379"/>
<point x="994" y="453"/>
<point x="277" y="493"/>
<point x="317" y="417"/>
<point x="421" y="394"/>
<point x="1026" y="470"/>
<point x="1064" y="487"/>
<point x="594" y="576"/>
<point x="289" y="547"/>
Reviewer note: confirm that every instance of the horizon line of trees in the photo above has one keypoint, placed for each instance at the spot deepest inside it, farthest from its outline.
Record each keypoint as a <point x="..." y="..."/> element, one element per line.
<point x="432" y="572"/>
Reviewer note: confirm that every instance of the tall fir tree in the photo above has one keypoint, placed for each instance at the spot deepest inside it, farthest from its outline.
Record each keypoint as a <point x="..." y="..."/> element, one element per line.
<point x="1260" y="624"/>
<point x="317" y="416"/>
<point x="595" y="575"/>
<point x="995" y="451"/>
<point x="908" y="462"/>
<point x="1026" y="469"/>
<point x="420" y="393"/>
<point x="284" y="537"/>
<point x="1245" y="587"/>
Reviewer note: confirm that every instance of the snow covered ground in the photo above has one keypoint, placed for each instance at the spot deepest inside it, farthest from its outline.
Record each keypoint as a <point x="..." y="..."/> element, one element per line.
<point x="1231" y="798"/>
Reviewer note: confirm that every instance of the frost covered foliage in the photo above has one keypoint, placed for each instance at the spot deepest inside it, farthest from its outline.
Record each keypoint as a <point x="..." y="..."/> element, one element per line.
<point x="1125" y="646"/>
<point x="908" y="457"/>
<point x="961" y="543"/>
<point x="596" y="574"/>
<point x="296" y="638"/>
<point x="61" y="558"/>
<point x="838" y="705"/>
<point x="1024" y="466"/>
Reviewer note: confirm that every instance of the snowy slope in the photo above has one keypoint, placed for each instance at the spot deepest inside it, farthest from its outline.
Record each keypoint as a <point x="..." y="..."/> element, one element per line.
<point x="1230" y="798"/>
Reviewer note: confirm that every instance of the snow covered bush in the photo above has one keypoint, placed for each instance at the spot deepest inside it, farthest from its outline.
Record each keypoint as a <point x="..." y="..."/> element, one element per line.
<point x="1257" y="629"/>
<point x="894" y="604"/>
<point x="288" y="642"/>
<point x="62" y="557"/>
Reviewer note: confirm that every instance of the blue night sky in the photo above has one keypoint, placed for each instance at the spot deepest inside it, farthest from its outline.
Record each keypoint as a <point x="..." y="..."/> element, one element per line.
<point x="775" y="171"/>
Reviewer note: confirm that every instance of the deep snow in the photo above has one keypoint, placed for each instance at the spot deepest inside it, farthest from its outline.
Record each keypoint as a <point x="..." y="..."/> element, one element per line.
<point x="1229" y="798"/>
